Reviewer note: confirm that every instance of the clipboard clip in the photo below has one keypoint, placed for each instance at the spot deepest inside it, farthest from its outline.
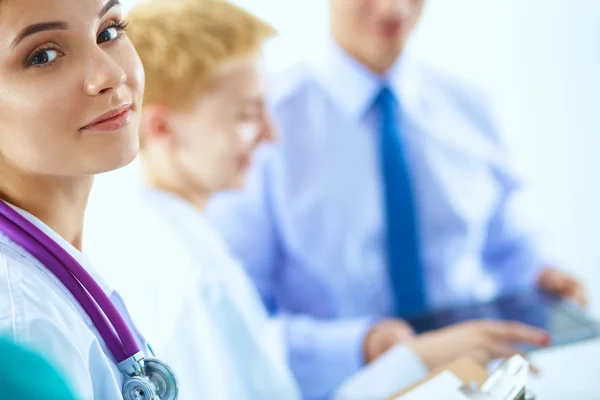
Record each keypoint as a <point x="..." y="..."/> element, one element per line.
<point x="507" y="382"/>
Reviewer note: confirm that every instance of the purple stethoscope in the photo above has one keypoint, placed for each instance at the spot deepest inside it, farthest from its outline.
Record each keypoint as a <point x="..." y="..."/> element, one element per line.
<point x="146" y="378"/>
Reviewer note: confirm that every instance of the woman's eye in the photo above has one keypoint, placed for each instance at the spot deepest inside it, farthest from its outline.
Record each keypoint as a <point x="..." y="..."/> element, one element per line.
<point x="44" y="57"/>
<point x="108" y="34"/>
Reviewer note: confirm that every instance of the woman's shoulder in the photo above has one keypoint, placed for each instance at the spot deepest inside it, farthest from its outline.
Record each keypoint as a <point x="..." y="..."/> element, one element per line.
<point x="30" y="296"/>
<point x="38" y="312"/>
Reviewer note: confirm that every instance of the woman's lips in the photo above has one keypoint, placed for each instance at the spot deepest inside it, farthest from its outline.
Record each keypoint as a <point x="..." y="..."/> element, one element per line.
<point x="112" y="120"/>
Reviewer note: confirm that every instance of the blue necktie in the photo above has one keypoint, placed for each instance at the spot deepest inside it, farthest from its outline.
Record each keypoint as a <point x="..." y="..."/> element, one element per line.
<point x="403" y="250"/>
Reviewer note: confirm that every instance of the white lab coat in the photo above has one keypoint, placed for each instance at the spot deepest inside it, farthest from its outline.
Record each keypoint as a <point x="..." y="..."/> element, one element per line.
<point x="199" y="310"/>
<point x="37" y="311"/>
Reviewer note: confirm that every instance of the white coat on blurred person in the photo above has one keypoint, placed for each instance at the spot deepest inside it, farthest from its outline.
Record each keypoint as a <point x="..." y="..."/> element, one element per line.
<point x="200" y="310"/>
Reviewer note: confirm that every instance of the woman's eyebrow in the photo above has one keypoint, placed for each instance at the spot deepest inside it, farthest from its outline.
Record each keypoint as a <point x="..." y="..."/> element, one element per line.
<point x="109" y="4"/>
<point x="57" y="25"/>
<point x="36" y="28"/>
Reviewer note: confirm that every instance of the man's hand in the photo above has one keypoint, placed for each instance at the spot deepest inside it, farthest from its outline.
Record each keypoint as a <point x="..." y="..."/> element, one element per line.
<point x="561" y="284"/>
<point x="481" y="340"/>
<point x="385" y="335"/>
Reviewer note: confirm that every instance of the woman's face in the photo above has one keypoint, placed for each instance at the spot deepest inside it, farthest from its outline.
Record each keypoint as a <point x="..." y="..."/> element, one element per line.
<point x="71" y="86"/>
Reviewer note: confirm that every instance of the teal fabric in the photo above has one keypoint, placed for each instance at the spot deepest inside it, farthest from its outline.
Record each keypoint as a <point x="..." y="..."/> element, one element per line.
<point x="25" y="375"/>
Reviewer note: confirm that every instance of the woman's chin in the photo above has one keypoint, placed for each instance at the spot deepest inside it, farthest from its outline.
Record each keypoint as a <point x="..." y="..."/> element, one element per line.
<point x="114" y="160"/>
<point x="121" y="162"/>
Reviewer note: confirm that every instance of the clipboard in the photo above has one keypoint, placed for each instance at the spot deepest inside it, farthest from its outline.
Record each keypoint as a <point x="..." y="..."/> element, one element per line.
<point x="465" y="369"/>
<point x="466" y="380"/>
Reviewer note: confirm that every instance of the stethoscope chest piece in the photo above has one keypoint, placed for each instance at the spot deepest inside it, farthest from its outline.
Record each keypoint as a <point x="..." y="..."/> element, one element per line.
<point x="157" y="382"/>
<point x="162" y="377"/>
<point x="138" y="388"/>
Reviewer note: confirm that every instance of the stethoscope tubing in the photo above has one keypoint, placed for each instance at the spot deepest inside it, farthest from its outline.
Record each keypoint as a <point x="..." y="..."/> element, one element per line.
<point x="90" y="296"/>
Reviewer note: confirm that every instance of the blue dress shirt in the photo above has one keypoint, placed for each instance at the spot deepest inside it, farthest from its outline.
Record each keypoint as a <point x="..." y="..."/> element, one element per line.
<point x="309" y="225"/>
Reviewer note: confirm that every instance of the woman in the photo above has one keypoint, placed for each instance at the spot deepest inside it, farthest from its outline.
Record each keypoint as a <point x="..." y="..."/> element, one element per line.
<point x="71" y="86"/>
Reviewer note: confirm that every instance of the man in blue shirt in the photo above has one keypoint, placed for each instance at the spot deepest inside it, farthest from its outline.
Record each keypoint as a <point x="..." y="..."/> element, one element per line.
<point x="389" y="193"/>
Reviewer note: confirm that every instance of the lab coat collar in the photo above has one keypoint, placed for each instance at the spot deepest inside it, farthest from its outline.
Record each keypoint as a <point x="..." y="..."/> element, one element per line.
<point x="76" y="254"/>
<point x="353" y="88"/>
<point x="184" y="212"/>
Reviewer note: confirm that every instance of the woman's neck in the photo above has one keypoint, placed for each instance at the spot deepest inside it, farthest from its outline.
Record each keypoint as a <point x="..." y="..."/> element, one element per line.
<point x="58" y="202"/>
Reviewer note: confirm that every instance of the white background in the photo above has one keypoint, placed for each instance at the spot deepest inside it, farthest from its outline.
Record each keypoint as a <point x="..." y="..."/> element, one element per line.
<point x="539" y="61"/>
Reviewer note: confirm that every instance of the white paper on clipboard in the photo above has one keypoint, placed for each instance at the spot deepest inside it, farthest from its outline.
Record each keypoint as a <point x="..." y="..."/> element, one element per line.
<point x="444" y="386"/>
<point x="387" y="375"/>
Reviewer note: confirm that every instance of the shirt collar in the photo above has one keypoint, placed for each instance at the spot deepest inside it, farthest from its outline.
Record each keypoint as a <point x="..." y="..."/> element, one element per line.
<point x="76" y="254"/>
<point x="353" y="88"/>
